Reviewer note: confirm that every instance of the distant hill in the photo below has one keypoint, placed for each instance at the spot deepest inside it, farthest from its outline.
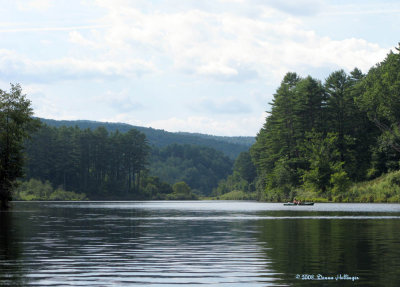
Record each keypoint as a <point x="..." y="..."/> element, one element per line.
<point x="231" y="146"/>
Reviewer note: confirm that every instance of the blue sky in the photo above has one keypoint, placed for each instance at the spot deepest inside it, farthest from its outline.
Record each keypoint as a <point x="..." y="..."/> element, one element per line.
<point x="182" y="65"/>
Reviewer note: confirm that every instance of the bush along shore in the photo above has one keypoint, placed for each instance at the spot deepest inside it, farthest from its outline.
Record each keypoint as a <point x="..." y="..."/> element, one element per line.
<point x="384" y="189"/>
<point x="37" y="190"/>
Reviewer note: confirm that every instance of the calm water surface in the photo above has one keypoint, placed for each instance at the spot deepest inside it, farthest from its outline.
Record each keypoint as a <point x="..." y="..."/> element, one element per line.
<point x="214" y="243"/>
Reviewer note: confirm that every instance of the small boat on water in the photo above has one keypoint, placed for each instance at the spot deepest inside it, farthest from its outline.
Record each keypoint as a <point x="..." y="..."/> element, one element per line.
<point x="299" y="203"/>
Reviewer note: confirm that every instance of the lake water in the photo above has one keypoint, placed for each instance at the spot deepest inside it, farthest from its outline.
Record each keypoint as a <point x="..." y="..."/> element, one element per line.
<point x="214" y="243"/>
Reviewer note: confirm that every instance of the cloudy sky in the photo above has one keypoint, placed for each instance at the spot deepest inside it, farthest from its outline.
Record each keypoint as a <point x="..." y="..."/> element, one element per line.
<point x="183" y="65"/>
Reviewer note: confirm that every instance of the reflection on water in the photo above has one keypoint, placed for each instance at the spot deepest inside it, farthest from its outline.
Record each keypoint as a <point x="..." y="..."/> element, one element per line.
<point x="210" y="243"/>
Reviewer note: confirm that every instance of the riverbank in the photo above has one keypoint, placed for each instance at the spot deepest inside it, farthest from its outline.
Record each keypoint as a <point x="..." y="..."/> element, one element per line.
<point x="235" y="195"/>
<point x="384" y="189"/>
<point x="380" y="190"/>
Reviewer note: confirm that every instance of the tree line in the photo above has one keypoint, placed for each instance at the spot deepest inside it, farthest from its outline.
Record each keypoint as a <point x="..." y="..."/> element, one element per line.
<point x="321" y="137"/>
<point x="72" y="163"/>
<point x="116" y="165"/>
<point x="98" y="163"/>
<point x="56" y="163"/>
<point x="230" y="146"/>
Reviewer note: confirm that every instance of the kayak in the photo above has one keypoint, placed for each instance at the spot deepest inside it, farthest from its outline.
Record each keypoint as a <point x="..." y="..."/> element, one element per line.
<point x="302" y="203"/>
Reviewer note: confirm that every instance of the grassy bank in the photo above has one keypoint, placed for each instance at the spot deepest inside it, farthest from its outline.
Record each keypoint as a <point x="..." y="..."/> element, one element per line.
<point x="235" y="195"/>
<point x="382" y="189"/>
<point x="38" y="190"/>
<point x="385" y="188"/>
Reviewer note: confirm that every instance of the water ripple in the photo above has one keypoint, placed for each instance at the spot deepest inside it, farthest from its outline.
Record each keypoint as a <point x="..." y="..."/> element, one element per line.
<point x="121" y="244"/>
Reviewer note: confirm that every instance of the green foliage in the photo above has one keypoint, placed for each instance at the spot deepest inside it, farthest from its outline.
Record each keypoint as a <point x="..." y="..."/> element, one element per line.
<point x="154" y="188"/>
<point x="37" y="190"/>
<point x="308" y="195"/>
<point x="282" y="177"/>
<point x="232" y="182"/>
<point x="238" y="195"/>
<point x="383" y="189"/>
<point x="299" y="107"/>
<point x="339" y="181"/>
<point x="241" y="183"/>
<point x="276" y="194"/>
<point x="97" y="163"/>
<point x="318" y="138"/>
<point x="200" y="167"/>
<point x="380" y="98"/>
<point x="181" y="191"/>
<point x="16" y="123"/>
<point x="325" y="171"/>
<point x="62" y="195"/>
<point x="114" y="165"/>
<point x="244" y="167"/>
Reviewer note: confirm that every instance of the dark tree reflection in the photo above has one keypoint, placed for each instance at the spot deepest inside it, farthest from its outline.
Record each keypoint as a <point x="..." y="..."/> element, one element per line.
<point x="11" y="270"/>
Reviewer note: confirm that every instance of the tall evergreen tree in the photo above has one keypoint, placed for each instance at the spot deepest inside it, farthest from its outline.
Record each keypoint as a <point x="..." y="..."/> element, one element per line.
<point x="310" y="106"/>
<point x="277" y="137"/>
<point x="16" y="123"/>
<point x="298" y="107"/>
<point x="97" y="163"/>
<point x="381" y="98"/>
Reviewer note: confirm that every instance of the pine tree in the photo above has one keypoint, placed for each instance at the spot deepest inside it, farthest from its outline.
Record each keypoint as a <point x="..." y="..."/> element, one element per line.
<point x="16" y="123"/>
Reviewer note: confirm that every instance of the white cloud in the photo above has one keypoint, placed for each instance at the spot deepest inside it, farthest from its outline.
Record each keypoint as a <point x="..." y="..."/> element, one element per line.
<point x="245" y="126"/>
<point x="25" y="5"/>
<point x="232" y="1"/>
<point x="23" y="28"/>
<point x="31" y="89"/>
<point x="372" y="8"/>
<point x="121" y="101"/>
<point x="217" y="69"/>
<point x="77" y="38"/>
<point x="218" y="106"/>
<point x="14" y="64"/>
<point x="228" y="46"/>
<point x="217" y="60"/>
<point x="298" y="7"/>
<point x="219" y="45"/>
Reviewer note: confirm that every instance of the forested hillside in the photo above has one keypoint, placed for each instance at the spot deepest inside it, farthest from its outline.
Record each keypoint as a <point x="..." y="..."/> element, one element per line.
<point x="114" y="165"/>
<point x="200" y="167"/>
<point x="322" y="137"/>
<point x="231" y="146"/>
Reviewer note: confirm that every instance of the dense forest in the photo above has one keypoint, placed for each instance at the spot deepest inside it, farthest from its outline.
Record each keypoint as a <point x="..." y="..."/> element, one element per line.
<point x="200" y="167"/>
<point x="97" y="163"/>
<point x="320" y="138"/>
<point x="71" y="163"/>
